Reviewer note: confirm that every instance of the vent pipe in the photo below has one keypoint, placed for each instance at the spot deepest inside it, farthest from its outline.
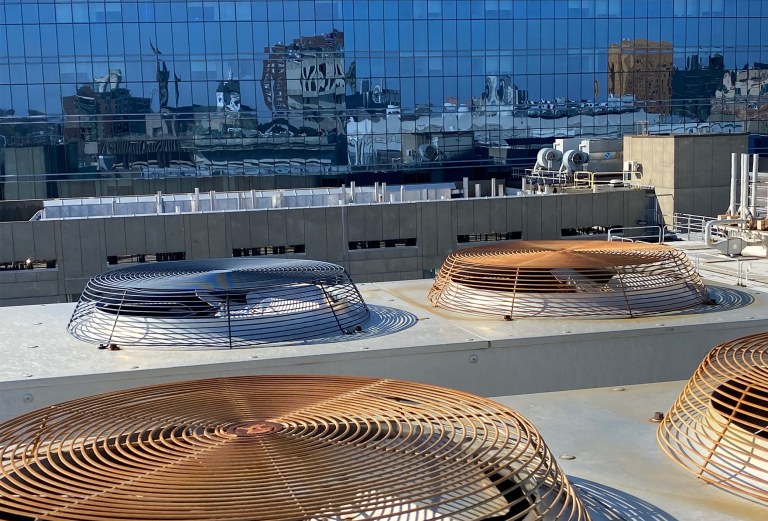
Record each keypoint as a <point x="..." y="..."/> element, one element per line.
<point x="753" y="187"/>
<point x="477" y="190"/>
<point x="744" y="203"/>
<point x="197" y="200"/>
<point x="159" y="202"/>
<point x="493" y="187"/>
<point x="465" y="182"/>
<point x="732" y="209"/>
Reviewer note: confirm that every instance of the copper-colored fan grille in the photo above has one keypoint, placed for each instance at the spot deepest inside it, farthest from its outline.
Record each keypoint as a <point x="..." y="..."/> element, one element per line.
<point x="281" y="448"/>
<point x="568" y="279"/>
<point x="718" y="427"/>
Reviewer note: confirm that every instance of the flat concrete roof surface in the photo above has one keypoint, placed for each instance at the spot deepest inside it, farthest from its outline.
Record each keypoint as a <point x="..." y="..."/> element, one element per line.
<point x="620" y="471"/>
<point x="406" y="339"/>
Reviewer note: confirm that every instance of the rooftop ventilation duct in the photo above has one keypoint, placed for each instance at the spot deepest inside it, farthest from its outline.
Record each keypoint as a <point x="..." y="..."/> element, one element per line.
<point x="571" y="279"/>
<point x="548" y="159"/>
<point x="217" y="304"/>
<point x="718" y="427"/>
<point x="574" y="160"/>
<point x="281" y="448"/>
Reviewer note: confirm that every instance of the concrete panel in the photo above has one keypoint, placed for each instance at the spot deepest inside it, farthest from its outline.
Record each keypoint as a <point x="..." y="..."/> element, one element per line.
<point x="720" y="201"/>
<point x="334" y="235"/>
<point x="278" y="235"/>
<point x="498" y="215"/>
<point x="482" y="215"/>
<point x="549" y="218"/>
<point x="446" y="239"/>
<point x="408" y="225"/>
<point x="373" y="223"/>
<point x="71" y="263"/>
<point x="466" y="220"/>
<point x="532" y="212"/>
<point x="114" y="234"/>
<point x="241" y="233"/>
<point x="702" y="201"/>
<point x="684" y="200"/>
<point x="702" y="162"/>
<point x="390" y="221"/>
<point x="217" y="233"/>
<point x="294" y="226"/>
<point x="259" y="228"/>
<point x="514" y="214"/>
<point x="583" y="210"/>
<point x="174" y="233"/>
<point x="428" y="237"/>
<point x="154" y="229"/>
<point x="94" y="259"/>
<point x="198" y="229"/>
<point x="315" y="234"/>
<point x="135" y="236"/>
<point x="721" y="165"/>
<point x="636" y="203"/>
<point x="615" y="208"/>
<point x="45" y="240"/>
<point x="685" y="153"/>
<point x="6" y="243"/>
<point x="599" y="209"/>
<point x="23" y="240"/>
<point x="355" y="222"/>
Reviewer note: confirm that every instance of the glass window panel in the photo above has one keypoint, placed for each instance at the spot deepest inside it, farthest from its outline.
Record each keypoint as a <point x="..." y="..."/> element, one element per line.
<point x="32" y="40"/>
<point x="29" y="13"/>
<point x="212" y="37"/>
<point x="227" y="11"/>
<point x="15" y="34"/>
<point x="196" y="39"/>
<point x="18" y="74"/>
<point x="63" y="13"/>
<point x="99" y="38"/>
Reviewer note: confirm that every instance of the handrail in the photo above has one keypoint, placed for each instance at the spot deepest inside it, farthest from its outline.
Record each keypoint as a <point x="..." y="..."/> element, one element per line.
<point x="611" y="237"/>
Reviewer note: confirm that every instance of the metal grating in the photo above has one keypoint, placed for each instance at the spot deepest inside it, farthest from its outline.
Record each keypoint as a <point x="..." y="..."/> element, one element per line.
<point x="281" y="448"/>
<point x="217" y="304"/>
<point x="718" y="427"/>
<point x="571" y="279"/>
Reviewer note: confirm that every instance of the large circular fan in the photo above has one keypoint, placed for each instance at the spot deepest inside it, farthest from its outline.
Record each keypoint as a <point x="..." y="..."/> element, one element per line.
<point x="567" y="279"/>
<point x="718" y="427"/>
<point x="281" y="448"/>
<point x="218" y="303"/>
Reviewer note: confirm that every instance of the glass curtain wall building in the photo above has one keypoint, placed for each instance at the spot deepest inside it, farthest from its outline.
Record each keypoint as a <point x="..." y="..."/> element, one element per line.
<point x="353" y="87"/>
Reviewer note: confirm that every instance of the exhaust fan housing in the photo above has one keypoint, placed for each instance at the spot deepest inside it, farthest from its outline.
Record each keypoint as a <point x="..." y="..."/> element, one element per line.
<point x="217" y="304"/>
<point x="567" y="279"/>
<point x="281" y="448"/>
<point x="718" y="427"/>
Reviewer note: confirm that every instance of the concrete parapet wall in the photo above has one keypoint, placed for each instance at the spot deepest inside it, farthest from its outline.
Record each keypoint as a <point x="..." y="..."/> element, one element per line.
<point x="81" y="246"/>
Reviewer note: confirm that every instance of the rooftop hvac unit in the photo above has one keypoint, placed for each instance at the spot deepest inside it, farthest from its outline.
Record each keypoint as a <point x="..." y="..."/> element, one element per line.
<point x="281" y="448"/>
<point x="575" y="160"/>
<point x="572" y="279"/>
<point x="217" y="304"/>
<point x="718" y="427"/>
<point x="548" y="159"/>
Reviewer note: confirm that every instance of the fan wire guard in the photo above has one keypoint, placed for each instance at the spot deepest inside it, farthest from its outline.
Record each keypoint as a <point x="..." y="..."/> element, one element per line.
<point x="570" y="279"/>
<point x="217" y="304"/>
<point x="281" y="448"/>
<point x="718" y="427"/>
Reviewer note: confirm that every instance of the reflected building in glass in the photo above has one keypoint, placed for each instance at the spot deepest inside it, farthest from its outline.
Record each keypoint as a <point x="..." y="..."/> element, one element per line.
<point x="339" y="90"/>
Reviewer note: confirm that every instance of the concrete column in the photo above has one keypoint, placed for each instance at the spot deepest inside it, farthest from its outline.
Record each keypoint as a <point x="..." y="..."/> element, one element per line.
<point x="465" y="182"/>
<point x="732" y="208"/>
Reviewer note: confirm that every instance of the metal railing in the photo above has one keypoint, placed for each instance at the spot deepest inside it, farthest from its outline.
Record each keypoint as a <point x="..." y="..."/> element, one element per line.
<point x="692" y="226"/>
<point x="613" y="234"/>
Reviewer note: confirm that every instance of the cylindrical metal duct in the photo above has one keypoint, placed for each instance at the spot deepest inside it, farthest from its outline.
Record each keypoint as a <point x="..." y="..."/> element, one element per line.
<point x="732" y="208"/>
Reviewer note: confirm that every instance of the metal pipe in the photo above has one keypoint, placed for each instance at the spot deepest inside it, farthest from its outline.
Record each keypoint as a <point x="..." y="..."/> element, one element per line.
<point x="710" y="224"/>
<point x="465" y="182"/>
<point x="753" y="187"/>
<point x="493" y="187"/>
<point x="734" y="183"/>
<point x="744" y="202"/>
<point x="352" y="191"/>
<point x="477" y="190"/>
<point x="197" y="200"/>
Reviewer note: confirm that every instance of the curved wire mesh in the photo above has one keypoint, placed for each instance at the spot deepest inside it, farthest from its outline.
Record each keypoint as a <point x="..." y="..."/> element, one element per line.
<point x="217" y="304"/>
<point x="281" y="448"/>
<point x="718" y="427"/>
<point x="567" y="279"/>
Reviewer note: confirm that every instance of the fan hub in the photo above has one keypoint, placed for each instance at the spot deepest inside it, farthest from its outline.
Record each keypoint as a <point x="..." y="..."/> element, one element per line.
<point x="252" y="429"/>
